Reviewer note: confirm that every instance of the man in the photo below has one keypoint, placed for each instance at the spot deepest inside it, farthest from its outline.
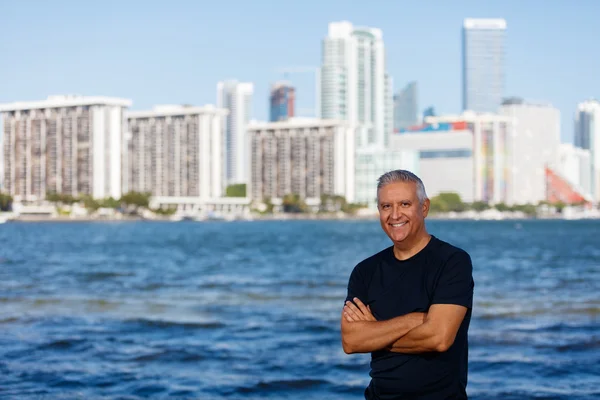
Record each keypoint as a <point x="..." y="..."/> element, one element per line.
<point x="410" y="304"/>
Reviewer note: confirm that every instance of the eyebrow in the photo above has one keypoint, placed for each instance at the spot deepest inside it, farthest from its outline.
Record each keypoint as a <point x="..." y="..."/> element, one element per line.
<point x="399" y="201"/>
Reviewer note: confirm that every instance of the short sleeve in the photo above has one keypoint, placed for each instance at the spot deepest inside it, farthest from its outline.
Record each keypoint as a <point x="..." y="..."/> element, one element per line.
<point x="455" y="284"/>
<point x="357" y="286"/>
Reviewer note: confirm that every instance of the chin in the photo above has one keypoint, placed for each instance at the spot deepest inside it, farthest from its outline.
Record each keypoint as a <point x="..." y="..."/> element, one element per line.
<point x="398" y="238"/>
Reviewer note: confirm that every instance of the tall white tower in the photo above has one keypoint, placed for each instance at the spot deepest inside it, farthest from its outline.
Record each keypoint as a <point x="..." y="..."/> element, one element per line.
<point x="237" y="98"/>
<point x="354" y="84"/>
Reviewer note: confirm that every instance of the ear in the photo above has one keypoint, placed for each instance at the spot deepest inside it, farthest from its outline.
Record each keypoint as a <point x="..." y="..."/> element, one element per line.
<point x="425" y="208"/>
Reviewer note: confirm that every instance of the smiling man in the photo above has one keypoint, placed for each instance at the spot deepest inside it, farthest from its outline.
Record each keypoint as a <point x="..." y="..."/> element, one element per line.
<point x="410" y="304"/>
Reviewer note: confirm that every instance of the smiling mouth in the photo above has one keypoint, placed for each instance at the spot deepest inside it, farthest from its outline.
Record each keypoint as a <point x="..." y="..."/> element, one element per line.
<point x="398" y="225"/>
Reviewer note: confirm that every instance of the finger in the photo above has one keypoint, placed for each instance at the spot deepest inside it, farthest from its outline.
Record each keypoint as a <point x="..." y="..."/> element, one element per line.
<point x="353" y="311"/>
<point x="356" y="314"/>
<point x="366" y="311"/>
<point x="352" y="307"/>
<point x="348" y="317"/>
<point x="360" y="305"/>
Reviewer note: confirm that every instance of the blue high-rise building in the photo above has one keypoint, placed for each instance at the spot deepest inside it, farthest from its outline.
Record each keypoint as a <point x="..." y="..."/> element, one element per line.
<point x="281" y="102"/>
<point x="483" y="64"/>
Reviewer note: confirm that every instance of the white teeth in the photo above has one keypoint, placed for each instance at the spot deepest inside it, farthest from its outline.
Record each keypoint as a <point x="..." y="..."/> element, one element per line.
<point x="398" y="225"/>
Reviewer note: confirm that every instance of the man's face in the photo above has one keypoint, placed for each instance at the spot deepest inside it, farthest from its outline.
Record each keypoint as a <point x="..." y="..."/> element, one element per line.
<point x="401" y="215"/>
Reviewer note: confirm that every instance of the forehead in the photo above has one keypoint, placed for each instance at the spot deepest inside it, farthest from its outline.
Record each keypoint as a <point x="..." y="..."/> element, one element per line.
<point x="397" y="191"/>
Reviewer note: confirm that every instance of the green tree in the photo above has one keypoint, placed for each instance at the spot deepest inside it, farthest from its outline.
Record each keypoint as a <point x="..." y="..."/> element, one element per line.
<point x="559" y="205"/>
<point x="61" y="198"/>
<point x="480" y="206"/>
<point x="5" y="202"/>
<point x="332" y="203"/>
<point x="527" y="209"/>
<point x="352" y="208"/>
<point x="447" y="201"/>
<point x="90" y="203"/>
<point x="136" y="199"/>
<point x="165" y="211"/>
<point x="109" y="202"/>
<point x="236" y="190"/>
<point x="501" y="207"/>
<point x="292" y="203"/>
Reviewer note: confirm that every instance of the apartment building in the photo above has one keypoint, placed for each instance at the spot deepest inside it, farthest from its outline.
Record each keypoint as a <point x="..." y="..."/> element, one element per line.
<point x="176" y="151"/>
<point x="304" y="156"/>
<point x="65" y="144"/>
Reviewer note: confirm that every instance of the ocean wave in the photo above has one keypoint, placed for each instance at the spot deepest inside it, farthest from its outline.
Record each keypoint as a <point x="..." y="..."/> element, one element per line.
<point x="169" y="355"/>
<point x="65" y="344"/>
<point x="288" y="384"/>
<point x="9" y="320"/>
<point x="165" y="323"/>
<point x="102" y="276"/>
<point x="585" y="345"/>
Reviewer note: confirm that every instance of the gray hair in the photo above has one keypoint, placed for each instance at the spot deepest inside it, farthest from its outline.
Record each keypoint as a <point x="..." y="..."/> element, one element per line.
<point x="402" y="175"/>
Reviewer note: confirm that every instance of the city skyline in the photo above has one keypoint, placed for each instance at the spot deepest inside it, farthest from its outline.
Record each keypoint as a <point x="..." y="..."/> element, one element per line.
<point x="167" y="75"/>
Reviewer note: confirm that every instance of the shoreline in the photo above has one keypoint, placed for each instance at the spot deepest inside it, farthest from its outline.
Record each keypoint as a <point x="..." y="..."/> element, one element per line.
<point x="278" y="217"/>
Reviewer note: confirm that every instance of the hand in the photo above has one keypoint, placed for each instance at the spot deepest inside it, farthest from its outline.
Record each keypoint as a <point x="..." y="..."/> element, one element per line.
<point x="357" y="311"/>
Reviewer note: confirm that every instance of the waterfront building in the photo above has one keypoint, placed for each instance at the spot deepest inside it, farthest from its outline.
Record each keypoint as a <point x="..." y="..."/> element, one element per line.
<point x="303" y="156"/>
<point x="70" y="145"/>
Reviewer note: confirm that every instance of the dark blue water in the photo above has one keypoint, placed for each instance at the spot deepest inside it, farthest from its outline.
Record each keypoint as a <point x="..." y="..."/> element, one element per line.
<point x="250" y="310"/>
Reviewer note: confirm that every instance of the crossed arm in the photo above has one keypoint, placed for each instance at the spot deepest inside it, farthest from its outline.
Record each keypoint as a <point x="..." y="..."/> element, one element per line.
<point x="411" y="333"/>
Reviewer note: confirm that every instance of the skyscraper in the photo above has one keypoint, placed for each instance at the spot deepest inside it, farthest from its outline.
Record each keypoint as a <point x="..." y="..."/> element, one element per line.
<point x="281" y="101"/>
<point x="587" y="136"/>
<point x="236" y="97"/>
<point x="406" y="109"/>
<point x="483" y="64"/>
<point x="70" y="145"/>
<point x="354" y="84"/>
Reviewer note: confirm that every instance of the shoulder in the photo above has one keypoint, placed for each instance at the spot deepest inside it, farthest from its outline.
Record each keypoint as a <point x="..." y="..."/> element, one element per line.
<point x="448" y="253"/>
<point x="368" y="265"/>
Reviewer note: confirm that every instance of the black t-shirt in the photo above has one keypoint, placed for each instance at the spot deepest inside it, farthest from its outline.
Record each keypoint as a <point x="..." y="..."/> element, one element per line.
<point x="438" y="274"/>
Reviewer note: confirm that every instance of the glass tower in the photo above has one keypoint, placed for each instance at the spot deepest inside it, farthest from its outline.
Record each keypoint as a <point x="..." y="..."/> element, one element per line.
<point x="483" y="64"/>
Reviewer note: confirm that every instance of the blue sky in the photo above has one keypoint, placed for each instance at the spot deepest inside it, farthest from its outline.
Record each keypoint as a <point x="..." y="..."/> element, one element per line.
<point x="165" y="52"/>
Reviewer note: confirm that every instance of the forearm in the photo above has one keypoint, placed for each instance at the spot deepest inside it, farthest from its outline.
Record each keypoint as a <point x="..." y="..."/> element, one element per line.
<point x="368" y="336"/>
<point x="422" y="339"/>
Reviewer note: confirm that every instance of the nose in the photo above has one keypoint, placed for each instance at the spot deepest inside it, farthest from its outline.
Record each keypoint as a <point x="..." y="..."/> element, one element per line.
<point x="396" y="213"/>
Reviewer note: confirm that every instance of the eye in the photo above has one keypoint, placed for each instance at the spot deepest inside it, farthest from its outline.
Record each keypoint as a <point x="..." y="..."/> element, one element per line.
<point x="405" y="204"/>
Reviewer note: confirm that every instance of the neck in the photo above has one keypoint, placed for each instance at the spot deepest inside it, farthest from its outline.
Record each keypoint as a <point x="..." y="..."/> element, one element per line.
<point x="407" y="249"/>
